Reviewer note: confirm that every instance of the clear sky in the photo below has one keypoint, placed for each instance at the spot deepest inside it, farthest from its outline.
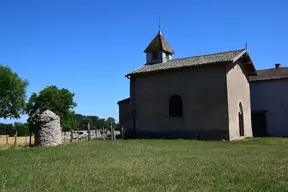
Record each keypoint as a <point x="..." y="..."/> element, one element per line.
<point x="89" y="46"/>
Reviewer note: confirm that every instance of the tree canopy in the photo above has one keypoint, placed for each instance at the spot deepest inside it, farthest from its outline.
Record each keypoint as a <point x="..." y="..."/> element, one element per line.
<point x="12" y="93"/>
<point x="59" y="101"/>
<point x="94" y="121"/>
<point x="9" y="129"/>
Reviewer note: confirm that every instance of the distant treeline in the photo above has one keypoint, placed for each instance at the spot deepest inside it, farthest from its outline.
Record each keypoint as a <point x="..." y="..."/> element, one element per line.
<point x="80" y="120"/>
<point x="94" y="121"/>
<point x="10" y="129"/>
<point x="60" y="101"/>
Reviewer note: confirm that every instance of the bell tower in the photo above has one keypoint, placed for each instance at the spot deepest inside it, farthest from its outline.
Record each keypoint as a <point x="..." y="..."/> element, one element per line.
<point x="158" y="51"/>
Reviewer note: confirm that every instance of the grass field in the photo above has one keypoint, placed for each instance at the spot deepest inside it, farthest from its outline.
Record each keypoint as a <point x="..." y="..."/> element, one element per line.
<point x="148" y="165"/>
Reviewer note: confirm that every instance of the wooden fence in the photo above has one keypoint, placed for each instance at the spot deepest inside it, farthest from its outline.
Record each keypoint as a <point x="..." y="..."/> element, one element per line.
<point x="13" y="141"/>
<point x="70" y="136"/>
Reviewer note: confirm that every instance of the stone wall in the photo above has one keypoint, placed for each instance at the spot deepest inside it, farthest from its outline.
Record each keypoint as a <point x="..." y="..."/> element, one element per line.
<point x="95" y="134"/>
<point x="125" y="115"/>
<point x="204" y="95"/>
<point x="238" y="90"/>
<point x="272" y="96"/>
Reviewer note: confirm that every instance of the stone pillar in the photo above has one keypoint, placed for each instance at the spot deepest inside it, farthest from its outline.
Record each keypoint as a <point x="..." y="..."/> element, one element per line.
<point x="48" y="129"/>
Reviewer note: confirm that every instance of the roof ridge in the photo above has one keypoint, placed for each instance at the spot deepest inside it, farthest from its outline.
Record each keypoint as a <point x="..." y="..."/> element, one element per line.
<point x="160" y="39"/>
<point x="223" y="52"/>
<point x="272" y="69"/>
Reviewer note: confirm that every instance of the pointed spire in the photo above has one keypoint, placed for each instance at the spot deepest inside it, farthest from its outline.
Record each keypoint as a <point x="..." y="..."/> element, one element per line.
<point x="159" y="27"/>
<point x="246" y="46"/>
<point x="159" y="43"/>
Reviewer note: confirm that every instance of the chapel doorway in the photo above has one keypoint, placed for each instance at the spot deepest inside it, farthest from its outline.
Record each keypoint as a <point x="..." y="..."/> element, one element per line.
<point x="259" y="123"/>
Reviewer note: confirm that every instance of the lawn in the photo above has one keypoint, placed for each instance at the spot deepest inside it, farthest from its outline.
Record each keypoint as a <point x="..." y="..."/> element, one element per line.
<point x="148" y="165"/>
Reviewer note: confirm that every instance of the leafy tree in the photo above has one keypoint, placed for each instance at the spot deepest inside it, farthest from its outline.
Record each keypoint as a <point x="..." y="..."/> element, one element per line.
<point x="22" y="128"/>
<point x="69" y="123"/>
<point x="111" y="121"/>
<point x="102" y="123"/>
<point x="59" y="101"/>
<point x="12" y="93"/>
<point x="95" y="122"/>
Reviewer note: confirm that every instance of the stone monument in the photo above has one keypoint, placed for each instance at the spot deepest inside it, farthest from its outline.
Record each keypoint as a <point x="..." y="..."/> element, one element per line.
<point x="48" y="129"/>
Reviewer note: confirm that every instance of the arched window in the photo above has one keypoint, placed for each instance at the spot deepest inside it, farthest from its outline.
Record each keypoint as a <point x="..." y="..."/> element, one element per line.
<point x="241" y="120"/>
<point x="175" y="106"/>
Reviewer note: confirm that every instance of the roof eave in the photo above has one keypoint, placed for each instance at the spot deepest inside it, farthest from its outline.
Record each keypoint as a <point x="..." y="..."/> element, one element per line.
<point x="268" y="79"/>
<point x="124" y="101"/>
<point x="164" y="50"/>
<point x="250" y="66"/>
<point x="135" y="73"/>
<point x="170" y="51"/>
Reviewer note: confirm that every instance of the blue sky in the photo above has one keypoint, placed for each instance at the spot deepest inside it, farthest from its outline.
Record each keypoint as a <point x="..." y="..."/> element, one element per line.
<point x="89" y="46"/>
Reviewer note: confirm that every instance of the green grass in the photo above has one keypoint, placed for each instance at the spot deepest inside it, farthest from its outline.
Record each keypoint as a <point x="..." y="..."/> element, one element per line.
<point x="148" y="165"/>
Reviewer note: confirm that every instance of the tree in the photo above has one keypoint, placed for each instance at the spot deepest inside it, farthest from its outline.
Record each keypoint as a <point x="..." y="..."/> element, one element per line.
<point x="22" y="128"/>
<point x="59" y="101"/>
<point x="111" y="121"/>
<point x="94" y="121"/>
<point x="69" y="123"/>
<point x="12" y="94"/>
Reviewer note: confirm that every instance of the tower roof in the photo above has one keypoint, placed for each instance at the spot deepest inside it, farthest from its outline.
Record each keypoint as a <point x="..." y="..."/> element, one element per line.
<point x="159" y="43"/>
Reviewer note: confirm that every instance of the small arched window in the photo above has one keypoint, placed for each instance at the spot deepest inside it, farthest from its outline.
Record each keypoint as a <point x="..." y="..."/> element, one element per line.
<point x="175" y="106"/>
<point x="241" y="120"/>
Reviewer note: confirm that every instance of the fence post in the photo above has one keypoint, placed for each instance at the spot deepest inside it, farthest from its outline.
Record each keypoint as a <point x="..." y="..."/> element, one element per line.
<point x="111" y="132"/>
<point x="7" y="136"/>
<point x="102" y="135"/>
<point x="89" y="133"/>
<point x="114" y="137"/>
<point x="71" y="136"/>
<point x="15" y="139"/>
<point x="7" y="139"/>
<point x="30" y="139"/>
<point x="78" y="135"/>
<point x="122" y="131"/>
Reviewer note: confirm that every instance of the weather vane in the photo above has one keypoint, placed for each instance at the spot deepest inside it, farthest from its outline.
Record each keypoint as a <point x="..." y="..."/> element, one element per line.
<point x="159" y="27"/>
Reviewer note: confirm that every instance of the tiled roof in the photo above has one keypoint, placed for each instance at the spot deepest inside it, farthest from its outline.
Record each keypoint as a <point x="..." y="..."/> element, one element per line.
<point x="271" y="74"/>
<point x="159" y="44"/>
<point x="228" y="56"/>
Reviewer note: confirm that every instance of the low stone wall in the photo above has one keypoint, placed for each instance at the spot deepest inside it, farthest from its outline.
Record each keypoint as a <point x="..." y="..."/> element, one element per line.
<point x="94" y="134"/>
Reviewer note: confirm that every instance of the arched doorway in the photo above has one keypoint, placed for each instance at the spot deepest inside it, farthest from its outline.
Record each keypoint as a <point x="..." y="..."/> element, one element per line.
<point x="175" y="106"/>
<point x="241" y="120"/>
